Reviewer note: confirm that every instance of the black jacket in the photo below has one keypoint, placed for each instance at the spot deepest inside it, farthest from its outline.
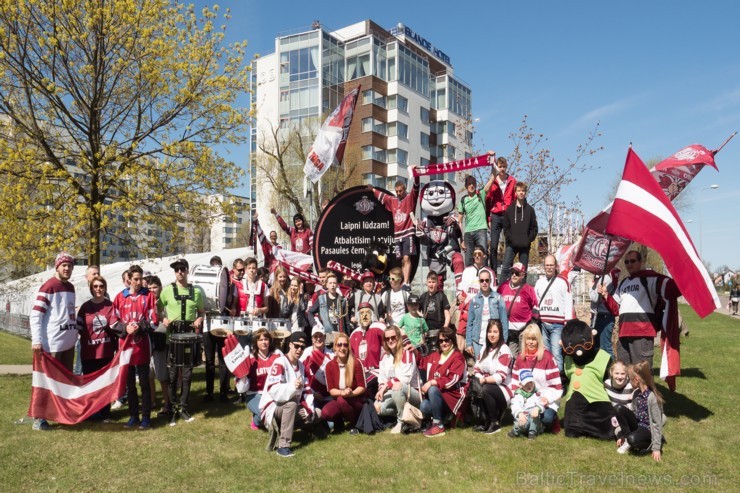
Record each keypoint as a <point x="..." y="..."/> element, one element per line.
<point x="520" y="225"/>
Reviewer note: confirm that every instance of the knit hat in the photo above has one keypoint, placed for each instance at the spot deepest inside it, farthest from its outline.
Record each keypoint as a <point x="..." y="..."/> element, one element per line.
<point x="526" y="376"/>
<point x="364" y="305"/>
<point x="64" y="258"/>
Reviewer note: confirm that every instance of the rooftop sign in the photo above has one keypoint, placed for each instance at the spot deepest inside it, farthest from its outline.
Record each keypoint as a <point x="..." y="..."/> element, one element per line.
<point x="400" y="29"/>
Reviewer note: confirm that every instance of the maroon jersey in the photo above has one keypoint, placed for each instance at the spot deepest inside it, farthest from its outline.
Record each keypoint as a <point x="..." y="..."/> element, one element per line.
<point x="451" y="376"/>
<point x="92" y="318"/>
<point x="139" y="307"/>
<point x="300" y="241"/>
<point x="367" y="347"/>
<point x="401" y="210"/>
<point x="259" y="369"/>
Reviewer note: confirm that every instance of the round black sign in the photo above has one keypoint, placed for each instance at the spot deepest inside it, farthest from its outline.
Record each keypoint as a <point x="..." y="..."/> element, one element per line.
<point x="349" y="224"/>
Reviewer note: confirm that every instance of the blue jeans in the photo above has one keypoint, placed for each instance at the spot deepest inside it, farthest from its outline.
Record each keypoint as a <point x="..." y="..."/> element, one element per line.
<point x="509" y="254"/>
<point x="551" y="335"/>
<point x="604" y="328"/>
<point x="253" y="404"/>
<point x="434" y="404"/>
<point x="497" y="226"/>
<point x="472" y="239"/>
<point x="548" y="417"/>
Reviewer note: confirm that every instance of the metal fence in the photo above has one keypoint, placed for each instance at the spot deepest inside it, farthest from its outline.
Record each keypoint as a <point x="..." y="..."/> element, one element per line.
<point x="15" y="324"/>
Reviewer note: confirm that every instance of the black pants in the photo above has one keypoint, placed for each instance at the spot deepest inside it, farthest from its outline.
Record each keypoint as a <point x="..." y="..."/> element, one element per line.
<point x="146" y="391"/>
<point x="494" y="401"/>
<point x="212" y="346"/>
<point x="639" y="438"/>
<point x="91" y="366"/>
<point x="187" y="375"/>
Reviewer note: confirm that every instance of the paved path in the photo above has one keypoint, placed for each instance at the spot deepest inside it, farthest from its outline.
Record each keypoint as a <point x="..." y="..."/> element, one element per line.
<point x="16" y="369"/>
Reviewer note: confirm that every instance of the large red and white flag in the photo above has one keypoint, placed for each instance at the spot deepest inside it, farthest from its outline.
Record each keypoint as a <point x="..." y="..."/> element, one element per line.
<point x="673" y="174"/>
<point x="642" y="212"/>
<point x="61" y="396"/>
<point x="331" y="139"/>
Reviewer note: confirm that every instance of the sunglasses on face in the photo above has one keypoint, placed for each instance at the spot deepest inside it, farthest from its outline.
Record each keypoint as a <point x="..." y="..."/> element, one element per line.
<point x="515" y="273"/>
<point x="240" y="270"/>
<point x="395" y="278"/>
<point x="484" y="280"/>
<point x="443" y="340"/>
<point x="299" y="347"/>
<point x="341" y="344"/>
<point x="391" y="338"/>
<point x="477" y="254"/>
<point x="98" y="286"/>
<point x="180" y="269"/>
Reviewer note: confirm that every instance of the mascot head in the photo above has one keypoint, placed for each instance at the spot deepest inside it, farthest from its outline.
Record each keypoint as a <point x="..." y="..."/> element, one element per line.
<point x="376" y="258"/>
<point x="578" y="342"/>
<point x="437" y="198"/>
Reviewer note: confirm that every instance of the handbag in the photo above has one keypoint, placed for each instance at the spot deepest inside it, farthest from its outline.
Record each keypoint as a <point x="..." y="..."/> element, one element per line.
<point x="411" y="414"/>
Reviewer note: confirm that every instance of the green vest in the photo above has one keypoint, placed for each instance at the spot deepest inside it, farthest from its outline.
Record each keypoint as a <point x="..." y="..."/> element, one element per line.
<point x="588" y="380"/>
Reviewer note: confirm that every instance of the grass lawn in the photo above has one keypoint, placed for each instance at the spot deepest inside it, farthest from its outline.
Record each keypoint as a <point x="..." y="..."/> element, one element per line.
<point x="15" y="350"/>
<point x="217" y="452"/>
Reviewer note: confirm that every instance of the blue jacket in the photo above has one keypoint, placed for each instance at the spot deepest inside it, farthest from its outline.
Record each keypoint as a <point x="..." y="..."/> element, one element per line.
<point x="496" y="308"/>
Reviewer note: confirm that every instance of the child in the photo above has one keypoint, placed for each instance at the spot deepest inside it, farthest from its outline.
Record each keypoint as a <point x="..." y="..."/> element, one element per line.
<point x="412" y="324"/>
<point x="526" y="407"/>
<point x="434" y="304"/>
<point x="618" y="386"/>
<point x="644" y="430"/>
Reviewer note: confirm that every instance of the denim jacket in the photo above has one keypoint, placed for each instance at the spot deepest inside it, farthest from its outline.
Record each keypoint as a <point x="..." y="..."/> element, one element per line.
<point x="496" y="309"/>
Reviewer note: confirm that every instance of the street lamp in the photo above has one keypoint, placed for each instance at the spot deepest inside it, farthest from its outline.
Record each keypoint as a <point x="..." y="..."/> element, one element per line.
<point x="710" y="187"/>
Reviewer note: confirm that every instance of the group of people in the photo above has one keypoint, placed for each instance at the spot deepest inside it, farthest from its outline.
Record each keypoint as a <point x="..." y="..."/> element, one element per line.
<point x="386" y="348"/>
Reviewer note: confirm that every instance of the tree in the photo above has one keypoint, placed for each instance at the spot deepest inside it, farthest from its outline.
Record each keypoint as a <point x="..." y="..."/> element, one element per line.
<point x="111" y="109"/>
<point x="283" y="152"/>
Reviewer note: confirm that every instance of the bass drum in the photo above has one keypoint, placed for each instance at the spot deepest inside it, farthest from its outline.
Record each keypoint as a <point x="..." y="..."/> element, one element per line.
<point x="214" y="281"/>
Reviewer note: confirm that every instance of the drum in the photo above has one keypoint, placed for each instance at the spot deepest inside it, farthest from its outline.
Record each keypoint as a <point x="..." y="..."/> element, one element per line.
<point x="432" y="344"/>
<point x="282" y="324"/>
<point x="260" y="323"/>
<point x="222" y="326"/>
<point x="185" y="350"/>
<point x="242" y="326"/>
<point x="214" y="281"/>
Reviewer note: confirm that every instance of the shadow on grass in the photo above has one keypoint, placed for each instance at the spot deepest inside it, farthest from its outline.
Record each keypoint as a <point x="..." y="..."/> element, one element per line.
<point x="677" y="405"/>
<point x="685" y="373"/>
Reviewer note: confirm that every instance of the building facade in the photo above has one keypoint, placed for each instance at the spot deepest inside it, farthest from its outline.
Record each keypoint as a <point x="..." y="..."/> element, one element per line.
<point x="412" y="108"/>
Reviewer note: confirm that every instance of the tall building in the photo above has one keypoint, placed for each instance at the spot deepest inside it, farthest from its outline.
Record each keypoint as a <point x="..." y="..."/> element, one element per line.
<point x="412" y="108"/>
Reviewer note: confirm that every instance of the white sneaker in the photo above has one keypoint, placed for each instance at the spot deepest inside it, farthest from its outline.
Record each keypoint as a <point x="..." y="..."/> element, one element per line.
<point x="624" y="448"/>
<point x="397" y="429"/>
<point x="116" y="405"/>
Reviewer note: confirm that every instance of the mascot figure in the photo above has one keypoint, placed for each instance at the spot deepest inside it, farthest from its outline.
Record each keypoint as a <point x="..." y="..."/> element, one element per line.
<point x="588" y="411"/>
<point x="440" y="230"/>
<point x="376" y="259"/>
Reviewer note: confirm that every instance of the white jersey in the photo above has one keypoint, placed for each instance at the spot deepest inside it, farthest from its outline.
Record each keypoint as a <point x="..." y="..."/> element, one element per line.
<point x="557" y="305"/>
<point x="53" y="321"/>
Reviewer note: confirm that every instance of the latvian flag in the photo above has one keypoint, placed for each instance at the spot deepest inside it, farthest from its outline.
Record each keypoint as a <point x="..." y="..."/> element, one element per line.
<point x="58" y="395"/>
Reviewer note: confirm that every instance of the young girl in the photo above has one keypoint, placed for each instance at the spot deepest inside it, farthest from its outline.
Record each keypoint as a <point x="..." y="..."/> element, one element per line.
<point x="644" y="431"/>
<point x="618" y="386"/>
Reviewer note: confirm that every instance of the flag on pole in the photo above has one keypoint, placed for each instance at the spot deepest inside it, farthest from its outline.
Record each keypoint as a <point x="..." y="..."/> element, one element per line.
<point x="642" y="212"/>
<point x="673" y="174"/>
<point x="61" y="396"/>
<point x="331" y="139"/>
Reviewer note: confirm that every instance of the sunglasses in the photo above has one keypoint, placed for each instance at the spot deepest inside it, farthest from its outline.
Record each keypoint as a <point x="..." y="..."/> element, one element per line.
<point x="98" y="286"/>
<point x="630" y="261"/>
<point x="570" y="349"/>
<point x="241" y="270"/>
<point x="180" y="269"/>
<point x="515" y="273"/>
<point x="299" y="347"/>
<point x="443" y="341"/>
<point x="484" y="280"/>
<point x="395" y="278"/>
<point x="391" y="338"/>
<point x="477" y="254"/>
<point x="341" y="344"/>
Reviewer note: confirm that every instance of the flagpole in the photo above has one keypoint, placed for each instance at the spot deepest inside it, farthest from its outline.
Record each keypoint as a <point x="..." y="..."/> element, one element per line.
<point x="728" y="139"/>
<point x="603" y="273"/>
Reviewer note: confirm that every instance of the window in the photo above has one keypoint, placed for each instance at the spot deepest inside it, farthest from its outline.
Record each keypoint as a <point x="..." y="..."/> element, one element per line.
<point x="424" y="141"/>
<point x="370" y="152"/>
<point x="398" y="102"/>
<point x="423" y="162"/>
<point x="371" y="96"/>
<point x="398" y="129"/>
<point x="371" y="125"/>
<point x="398" y="156"/>
<point x="424" y="115"/>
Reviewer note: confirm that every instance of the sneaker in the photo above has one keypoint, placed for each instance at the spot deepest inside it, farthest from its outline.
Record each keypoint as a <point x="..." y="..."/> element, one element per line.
<point x="253" y="426"/>
<point x="493" y="428"/>
<point x="173" y="419"/>
<point x="116" y="405"/>
<point x="354" y="432"/>
<point x="186" y="416"/>
<point x="434" y="431"/>
<point x="624" y="448"/>
<point x="164" y="412"/>
<point x="406" y="287"/>
<point x="145" y="424"/>
<point x="531" y="435"/>
<point x="107" y="421"/>
<point x="41" y="425"/>
<point x="480" y="428"/>
<point x="133" y="421"/>
<point x="397" y="429"/>
<point x="284" y="452"/>
<point x="512" y="434"/>
<point x="208" y="398"/>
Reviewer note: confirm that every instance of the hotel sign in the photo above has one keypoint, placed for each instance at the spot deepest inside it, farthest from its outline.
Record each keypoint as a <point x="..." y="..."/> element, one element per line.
<point x="421" y="41"/>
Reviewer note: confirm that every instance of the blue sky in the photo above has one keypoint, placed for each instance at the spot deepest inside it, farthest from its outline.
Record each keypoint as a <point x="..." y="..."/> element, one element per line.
<point x="658" y="74"/>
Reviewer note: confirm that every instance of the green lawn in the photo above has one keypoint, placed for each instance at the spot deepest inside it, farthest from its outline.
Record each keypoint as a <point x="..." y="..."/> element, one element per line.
<point x="15" y="350"/>
<point x="218" y="452"/>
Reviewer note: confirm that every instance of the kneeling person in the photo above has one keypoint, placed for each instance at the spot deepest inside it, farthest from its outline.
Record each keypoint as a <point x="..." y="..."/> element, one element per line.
<point x="287" y="396"/>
